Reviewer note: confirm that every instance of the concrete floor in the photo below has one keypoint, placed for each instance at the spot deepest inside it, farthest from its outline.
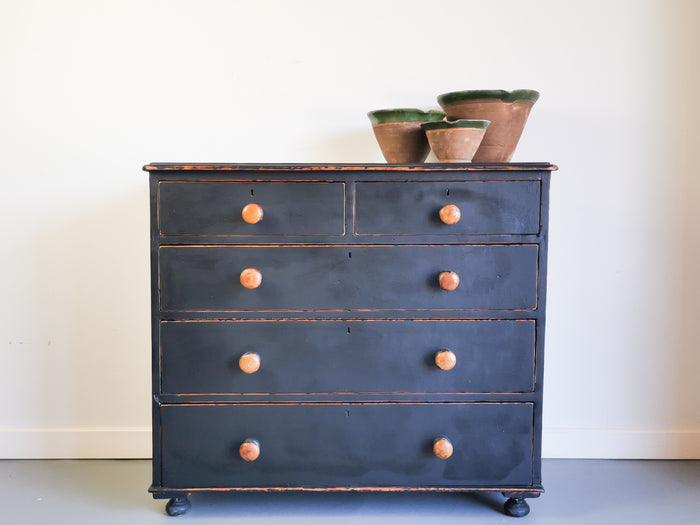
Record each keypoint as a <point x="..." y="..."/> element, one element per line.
<point x="592" y="492"/>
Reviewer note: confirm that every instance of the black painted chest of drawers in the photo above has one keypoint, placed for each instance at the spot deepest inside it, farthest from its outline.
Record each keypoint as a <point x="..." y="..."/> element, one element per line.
<point x="348" y="327"/>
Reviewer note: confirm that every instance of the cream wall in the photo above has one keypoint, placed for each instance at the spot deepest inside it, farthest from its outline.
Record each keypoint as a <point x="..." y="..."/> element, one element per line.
<point x="90" y="91"/>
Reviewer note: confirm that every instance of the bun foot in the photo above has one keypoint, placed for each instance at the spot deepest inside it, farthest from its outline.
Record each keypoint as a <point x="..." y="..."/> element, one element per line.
<point x="517" y="507"/>
<point x="177" y="506"/>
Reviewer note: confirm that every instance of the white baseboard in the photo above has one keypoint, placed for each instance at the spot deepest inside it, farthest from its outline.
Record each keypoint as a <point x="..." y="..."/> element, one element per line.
<point x="135" y="442"/>
<point x="78" y="443"/>
<point x="612" y="443"/>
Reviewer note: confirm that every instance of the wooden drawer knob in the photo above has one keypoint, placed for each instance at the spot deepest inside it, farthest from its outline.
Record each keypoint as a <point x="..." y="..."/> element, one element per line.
<point x="249" y="450"/>
<point x="252" y="213"/>
<point x="450" y="214"/>
<point x="249" y="362"/>
<point x="251" y="278"/>
<point x="442" y="448"/>
<point x="449" y="281"/>
<point x="445" y="360"/>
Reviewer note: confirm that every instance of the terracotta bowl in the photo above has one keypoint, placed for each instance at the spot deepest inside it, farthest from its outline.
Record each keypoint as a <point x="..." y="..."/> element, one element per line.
<point x="455" y="141"/>
<point x="507" y="111"/>
<point x="399" y="134"/>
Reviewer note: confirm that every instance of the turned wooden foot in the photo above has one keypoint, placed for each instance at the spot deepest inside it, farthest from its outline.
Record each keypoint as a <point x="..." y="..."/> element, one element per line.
<point x="177" y="506"/>
<point x="516" y="507"/>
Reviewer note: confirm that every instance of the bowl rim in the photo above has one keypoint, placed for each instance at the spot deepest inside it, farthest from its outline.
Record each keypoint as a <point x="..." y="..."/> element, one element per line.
<point x="453" y="124"/>
<point x="517" y="95"/>
<point x="386" y="116"/>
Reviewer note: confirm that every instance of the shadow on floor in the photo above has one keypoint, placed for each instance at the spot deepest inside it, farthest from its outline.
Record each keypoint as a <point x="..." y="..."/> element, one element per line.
<point x="319" y="505"/>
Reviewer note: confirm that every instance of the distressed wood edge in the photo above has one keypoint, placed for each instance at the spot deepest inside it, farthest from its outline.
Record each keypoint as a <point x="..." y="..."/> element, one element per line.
<point x="271" y="395"/>
<point x="350" y="245"/>
<point x="168" y="400"/>
<point x="345" y="403"/>
<point x="164" y="492"/>
<point x="523" y="166"/>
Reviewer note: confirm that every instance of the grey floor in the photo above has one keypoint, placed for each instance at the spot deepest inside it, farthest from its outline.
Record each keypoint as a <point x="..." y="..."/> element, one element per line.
<point x="577" y="492"/>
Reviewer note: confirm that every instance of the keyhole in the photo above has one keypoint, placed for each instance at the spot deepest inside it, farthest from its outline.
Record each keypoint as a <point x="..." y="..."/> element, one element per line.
<point x="348" y="329"/>
<point x="349" y="255"/>
<point x="447" y="192"/>
<point x="252" y="193"/>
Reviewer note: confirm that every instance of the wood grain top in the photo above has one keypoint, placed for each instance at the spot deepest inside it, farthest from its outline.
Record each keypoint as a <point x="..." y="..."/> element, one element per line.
<point x="514" y="166"/>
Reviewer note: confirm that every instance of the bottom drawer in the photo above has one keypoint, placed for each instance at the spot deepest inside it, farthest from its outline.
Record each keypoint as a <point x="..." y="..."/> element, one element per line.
<point x="347" y="445"/>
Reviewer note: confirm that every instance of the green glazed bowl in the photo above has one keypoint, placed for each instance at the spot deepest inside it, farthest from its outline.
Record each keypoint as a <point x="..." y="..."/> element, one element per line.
<point x="386" y="116"/>
<point x="452" y="124"/>
<point x="507" y="111"/>
<point x="455" y="140"/>
<point x="518" y="95"/>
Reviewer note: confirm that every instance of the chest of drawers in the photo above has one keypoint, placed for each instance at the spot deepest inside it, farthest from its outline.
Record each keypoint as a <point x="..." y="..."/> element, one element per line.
<point x="348" y="328"/>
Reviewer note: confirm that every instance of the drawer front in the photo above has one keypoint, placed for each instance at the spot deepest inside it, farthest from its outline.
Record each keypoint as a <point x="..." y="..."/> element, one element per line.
<point x="215" y="208"/>
<point x="412" y="208"/>
<point x="347" y="356"/>
<point x="347" y="445"/>
<point x="207" y="278"/>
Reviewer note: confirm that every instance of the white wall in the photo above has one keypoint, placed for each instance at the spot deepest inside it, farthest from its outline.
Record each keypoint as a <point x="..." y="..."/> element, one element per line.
<point x="91" y="91"/>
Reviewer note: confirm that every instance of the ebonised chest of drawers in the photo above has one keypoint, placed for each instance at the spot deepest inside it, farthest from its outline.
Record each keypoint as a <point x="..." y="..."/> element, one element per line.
<point x="348" y="327"/>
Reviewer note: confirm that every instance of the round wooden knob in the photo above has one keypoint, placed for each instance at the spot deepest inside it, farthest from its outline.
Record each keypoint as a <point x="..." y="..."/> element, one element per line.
<point x="249" y="450"/>
<point x="251" y="278"/>
<point x="450" y="214"/>
<point x="250" y="362"/>
<point x="449" y="281"/>
<point x="445" y="360"/>
<point x="442" y="448"/>
<point x="252" y="213"/>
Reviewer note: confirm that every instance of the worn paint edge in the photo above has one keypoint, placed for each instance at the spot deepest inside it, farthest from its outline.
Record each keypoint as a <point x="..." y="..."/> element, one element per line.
<point x="529" y="489"/>
<point x="352" y="167"/>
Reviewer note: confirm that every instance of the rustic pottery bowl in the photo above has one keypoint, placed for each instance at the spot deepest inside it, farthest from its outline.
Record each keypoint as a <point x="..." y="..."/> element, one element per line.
<point x="507" y="111"/>
<point x="455" y="141"/>
<point x="399" y="134"/>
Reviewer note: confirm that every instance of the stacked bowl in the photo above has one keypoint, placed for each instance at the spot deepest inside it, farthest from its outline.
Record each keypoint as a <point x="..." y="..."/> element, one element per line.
<point x="399" y="133"/>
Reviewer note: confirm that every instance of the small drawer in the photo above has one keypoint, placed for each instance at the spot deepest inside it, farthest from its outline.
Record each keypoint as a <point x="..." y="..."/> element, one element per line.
<point x="210" y="278"/>
<point x="413" y="208"/>
<point x="216" y="208"/>
<point x="347" y="445"/>
<point x="210" y="357"/>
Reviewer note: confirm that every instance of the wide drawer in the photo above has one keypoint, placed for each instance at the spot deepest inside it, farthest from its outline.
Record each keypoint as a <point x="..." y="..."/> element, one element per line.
<point x="347" y="445"/>
<point x="215" y="208"/>
<point x="207" y="278"/>
<point x="412" y="208"/>
<point x="347" y="356"/>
